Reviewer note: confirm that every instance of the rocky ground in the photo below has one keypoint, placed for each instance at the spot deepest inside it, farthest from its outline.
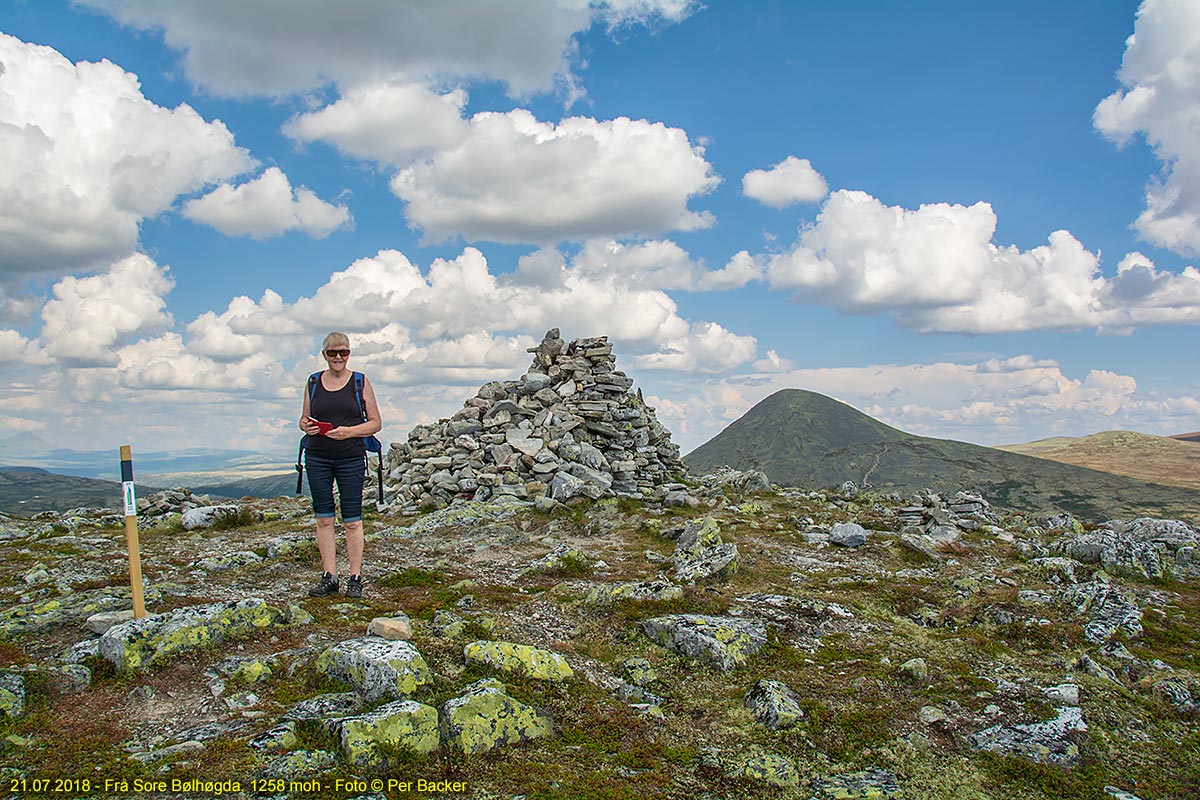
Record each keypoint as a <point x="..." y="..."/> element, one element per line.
<point x="743" y="641"/>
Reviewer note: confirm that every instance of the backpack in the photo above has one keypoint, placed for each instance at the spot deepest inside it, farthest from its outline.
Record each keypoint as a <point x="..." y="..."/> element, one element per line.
<point x="373" y="444"/>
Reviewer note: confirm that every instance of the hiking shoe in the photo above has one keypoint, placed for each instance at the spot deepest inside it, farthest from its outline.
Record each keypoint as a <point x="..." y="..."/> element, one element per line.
<point x="354" y="586"/>
<point x="328" y="585"/>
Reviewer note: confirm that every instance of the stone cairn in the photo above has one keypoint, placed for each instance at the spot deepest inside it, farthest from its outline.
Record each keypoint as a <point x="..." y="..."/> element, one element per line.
<point x="569" y="427"/>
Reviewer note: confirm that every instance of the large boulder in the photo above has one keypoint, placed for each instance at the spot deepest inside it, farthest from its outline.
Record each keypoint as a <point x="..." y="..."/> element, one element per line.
<point x="484" y="717"/>
<point x="701" y="553"/>
<point x="1050" y="742"/>
<point x="406" y="724"/>
<point x="376" y="668"/>
<point x="153" y="639"/>
<point x="722" y="642"/>
<point x="519" y="659"/>
<point x="774" y="704"/>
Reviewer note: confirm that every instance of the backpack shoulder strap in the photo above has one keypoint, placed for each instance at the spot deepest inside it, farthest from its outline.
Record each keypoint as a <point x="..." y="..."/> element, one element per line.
<point x="360" y="381"/>
<point x="312" y="385"/>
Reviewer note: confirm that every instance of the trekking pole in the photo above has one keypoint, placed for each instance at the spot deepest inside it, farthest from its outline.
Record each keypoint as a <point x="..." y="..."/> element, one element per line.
<point x="131" y="531"/>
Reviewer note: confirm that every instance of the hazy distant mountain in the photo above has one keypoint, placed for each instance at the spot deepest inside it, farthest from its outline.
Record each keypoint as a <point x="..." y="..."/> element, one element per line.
<point x="1187" y="437"/>
<point x="1156" y="459"/>
<point x="267" y="486"/>
<point x="25" y="491"/>
<point x="802" y="438"/>
<point x="24" y="444"/>
<point x="183" y="467"/>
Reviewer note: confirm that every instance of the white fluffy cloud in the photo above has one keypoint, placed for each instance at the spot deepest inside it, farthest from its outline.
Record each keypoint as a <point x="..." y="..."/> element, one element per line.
<point x="87" y="157"/>
<point x="89" y="318"/>
<point x="238" y="48"/>
<point x="389" y="123"/>
<point x="516" y="179"/>
<point x="936" y="269"/>
<point x="792" y="180"/>
<point x="458" y="299"/>
<point x="1160" y="74"/>
<point x="267" y="206"/>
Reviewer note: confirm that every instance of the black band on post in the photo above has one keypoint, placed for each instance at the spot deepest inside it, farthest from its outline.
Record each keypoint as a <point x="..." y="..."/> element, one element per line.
<point x="126" y="470"/>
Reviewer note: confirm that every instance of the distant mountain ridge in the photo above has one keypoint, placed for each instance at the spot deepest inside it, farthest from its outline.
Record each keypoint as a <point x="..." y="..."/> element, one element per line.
<point x="802" y="438"/>
<point x="1167" y="460"/>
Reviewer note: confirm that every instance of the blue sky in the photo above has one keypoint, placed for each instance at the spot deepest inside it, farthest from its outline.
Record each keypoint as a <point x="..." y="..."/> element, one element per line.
<point x="976" y="221"/>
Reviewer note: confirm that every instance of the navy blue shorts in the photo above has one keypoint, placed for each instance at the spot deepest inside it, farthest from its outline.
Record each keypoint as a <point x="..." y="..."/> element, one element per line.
<point x="350" y="474"/>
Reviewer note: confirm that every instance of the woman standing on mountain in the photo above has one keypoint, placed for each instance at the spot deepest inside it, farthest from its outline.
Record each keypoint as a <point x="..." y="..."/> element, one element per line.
<point x="339" y="413"/>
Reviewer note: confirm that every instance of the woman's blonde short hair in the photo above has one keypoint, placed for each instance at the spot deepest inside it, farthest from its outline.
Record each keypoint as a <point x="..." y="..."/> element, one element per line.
<point x="335" y="338"/>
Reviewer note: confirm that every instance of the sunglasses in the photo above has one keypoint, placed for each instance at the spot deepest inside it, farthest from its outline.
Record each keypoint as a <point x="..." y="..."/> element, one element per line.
<point x="344" y="353"/>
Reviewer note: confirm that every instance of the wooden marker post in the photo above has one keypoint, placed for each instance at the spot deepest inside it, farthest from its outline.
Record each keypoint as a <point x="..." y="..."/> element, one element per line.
<point x="131" y="532"/>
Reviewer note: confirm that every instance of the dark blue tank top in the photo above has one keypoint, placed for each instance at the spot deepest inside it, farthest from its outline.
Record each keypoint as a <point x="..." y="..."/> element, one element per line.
<point x="341" y="409"/>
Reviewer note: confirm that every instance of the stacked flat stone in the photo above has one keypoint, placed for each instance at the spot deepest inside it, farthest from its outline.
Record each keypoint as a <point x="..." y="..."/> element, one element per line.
<point x="569" y="426"/>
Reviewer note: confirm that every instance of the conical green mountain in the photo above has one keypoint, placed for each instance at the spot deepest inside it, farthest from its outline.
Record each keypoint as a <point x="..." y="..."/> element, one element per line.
<point x="801" y="438"/>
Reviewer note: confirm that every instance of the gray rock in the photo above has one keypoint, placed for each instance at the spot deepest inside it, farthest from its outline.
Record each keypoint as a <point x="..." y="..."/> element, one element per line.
<point x="12" y="694"/>
<point x="774" y="704"/>
<point x="207" y="516"/>
<point x="1050" y="742"/>
<point x="484" y="718"/>
<point x="376" y="668"/>
<point x="722" y="642"/>
<point x="848" y="534"/>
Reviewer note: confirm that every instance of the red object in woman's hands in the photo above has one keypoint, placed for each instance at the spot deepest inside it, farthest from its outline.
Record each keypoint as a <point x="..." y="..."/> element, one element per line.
<point x="322" y="427"/>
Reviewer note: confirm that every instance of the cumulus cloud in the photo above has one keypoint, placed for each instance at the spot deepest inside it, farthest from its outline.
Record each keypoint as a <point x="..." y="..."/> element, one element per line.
<point x="936" y="269"/>
<point x="1160" y="98"/>
<point x="792" y="180"/>
<point x="236" y="48"/>
<point x="267" y="206"/>
<point x="389" y="123"/>
<point x="459" y="300"/>
<point x="706" y="347"/>
<point x="518" y="180"/>
<point x="87" y="157"/>
<point x="89" y="317"/>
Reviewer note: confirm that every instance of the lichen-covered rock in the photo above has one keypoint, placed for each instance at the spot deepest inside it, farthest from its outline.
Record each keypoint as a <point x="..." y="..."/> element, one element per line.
<point x="300" y="764"/>
<point x="1143" y="548"/>
<point x="326" y="710"/>
<point x="774" y="704"/>
<point x="562" y="557"/>
<point x="406" y="724"/>
<point x="1175" y="692"/>
<point x="229" y="561"/>
<point x="75" y="608"/>
<point x="148" y="641"/>
<point x="447" y="624"/>
<point x="519" y="659"/>
<point x="872" y="784"/>
<point x="376" y="668"/>
<point x="1050" y="742"/>
<point x="1109" y="610"/>
<point x="723" y="642"/>
<point x="12" y="694"/>
<point x="701" y="553"/>
<point x="608" y="594"/>
<point x="484" y="717"/>
<point x="768" y="768"/>
<point x="638" y="671"/>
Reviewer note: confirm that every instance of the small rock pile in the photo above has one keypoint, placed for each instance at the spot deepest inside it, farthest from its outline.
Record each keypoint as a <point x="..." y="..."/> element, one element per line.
<point x="942" y="520"/>
<point x="570" y="426"/>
